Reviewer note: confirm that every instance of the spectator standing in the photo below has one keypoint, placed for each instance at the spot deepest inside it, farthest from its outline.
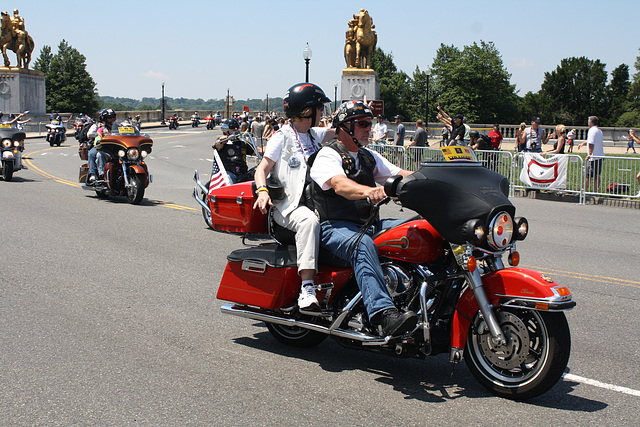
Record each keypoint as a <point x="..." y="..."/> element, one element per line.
<point x="558" y="146"/>
<point x="496" y="136"/>
<point x="420" y="137"/>
<point x="380" y="130"/>
<point x="571" y="136"/>
<point x="520" y="140"/>
<point x="467" y="131"/>
<point x="595" y="157"/>
<point x="399" y="130"/>
<point x="457" y="131"/>
<point x="445" y="136"/>
<point x="534" y="137"/>
<point x="257" y="129"/>
<point x="632" y="136"/>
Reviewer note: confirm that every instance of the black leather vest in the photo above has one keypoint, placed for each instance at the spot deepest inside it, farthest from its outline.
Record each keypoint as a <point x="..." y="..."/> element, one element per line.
<point x="330" y="205"/>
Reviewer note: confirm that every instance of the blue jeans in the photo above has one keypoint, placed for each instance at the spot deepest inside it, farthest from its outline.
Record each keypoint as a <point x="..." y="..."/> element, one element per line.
<point x="96" y="161"/>
<point x="334" y="236"/>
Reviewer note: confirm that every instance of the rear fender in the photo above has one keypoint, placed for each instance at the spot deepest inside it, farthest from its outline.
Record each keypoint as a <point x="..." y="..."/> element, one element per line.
<point x="511" y="287"/>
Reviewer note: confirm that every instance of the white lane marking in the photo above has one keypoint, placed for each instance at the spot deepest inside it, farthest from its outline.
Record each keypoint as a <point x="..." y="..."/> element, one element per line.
<point x="178" y="146"/>
<point x="589" y="381"/>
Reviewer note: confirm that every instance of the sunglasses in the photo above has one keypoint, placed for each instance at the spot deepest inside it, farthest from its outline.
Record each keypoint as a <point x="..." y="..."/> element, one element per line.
<point x="363" y="124"/>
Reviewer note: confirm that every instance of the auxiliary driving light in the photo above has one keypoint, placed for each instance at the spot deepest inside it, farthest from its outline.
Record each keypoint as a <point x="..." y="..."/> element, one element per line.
<point x="121" y="153"/>
<point x="474" y="232"/>
<point x="521" y="228"/>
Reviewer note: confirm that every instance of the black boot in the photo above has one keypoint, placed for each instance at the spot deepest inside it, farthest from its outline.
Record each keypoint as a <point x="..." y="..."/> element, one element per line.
<point x="395" y="322"/>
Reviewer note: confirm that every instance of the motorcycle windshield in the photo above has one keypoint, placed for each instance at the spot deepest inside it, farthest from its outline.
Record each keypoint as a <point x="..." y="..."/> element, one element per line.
<point x="125" y="128"/>
<point x="448" y="194"/>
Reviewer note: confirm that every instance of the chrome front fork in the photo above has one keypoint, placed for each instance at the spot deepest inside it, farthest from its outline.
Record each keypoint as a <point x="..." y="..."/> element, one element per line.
<point x="475" y="283"/>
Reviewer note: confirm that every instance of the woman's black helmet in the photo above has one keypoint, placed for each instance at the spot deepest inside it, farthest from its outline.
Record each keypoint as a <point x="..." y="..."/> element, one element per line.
<point x="107" y="113"/>
<point x="301" y="96"/>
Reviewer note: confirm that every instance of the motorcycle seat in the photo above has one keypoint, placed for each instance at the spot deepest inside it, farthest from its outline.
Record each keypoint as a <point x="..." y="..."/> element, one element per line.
<point x="287" y="237"/>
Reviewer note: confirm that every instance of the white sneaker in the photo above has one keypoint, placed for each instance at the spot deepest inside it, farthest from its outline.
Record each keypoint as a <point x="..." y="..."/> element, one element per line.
<point x="307" y="298"/>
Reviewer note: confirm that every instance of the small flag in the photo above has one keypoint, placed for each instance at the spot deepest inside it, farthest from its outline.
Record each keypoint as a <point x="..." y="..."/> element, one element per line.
<point x="218" y="174"/>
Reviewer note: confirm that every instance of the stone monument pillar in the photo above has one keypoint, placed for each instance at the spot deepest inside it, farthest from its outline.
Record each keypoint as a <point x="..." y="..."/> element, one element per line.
<point x="20" y="88"/>
<point x="358" y="79"/>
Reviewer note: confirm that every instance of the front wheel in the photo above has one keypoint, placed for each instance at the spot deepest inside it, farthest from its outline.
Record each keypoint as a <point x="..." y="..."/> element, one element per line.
<point x="7" y="170"/>
<point x="295" y="336"/>
<point x="532" y="361"/>
<point x="135" y="191"/>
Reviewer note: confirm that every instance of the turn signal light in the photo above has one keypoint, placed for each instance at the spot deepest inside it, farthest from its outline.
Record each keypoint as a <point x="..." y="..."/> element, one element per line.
<point x="563" y="291"/>
<point x="472" y="264"/>
<point x="514" y="258"/>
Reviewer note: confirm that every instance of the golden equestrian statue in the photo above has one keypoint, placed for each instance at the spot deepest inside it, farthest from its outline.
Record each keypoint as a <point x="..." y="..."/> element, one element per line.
<point x="361" y="40"/>
<point x="13" y="36"/>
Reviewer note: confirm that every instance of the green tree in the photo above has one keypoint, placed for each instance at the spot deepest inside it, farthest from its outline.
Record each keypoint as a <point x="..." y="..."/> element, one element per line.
<point x="44" y="60"/>
<point x="619" y="92"/>
<point x="474" y="82"/>
<point x="531" y="105"/>
<point x="70" y="88"/>
<point x="576" y="89"/>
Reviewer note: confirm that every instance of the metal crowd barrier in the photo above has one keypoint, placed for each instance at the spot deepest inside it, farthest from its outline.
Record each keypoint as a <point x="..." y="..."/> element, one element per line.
<point x="618" y="176"/>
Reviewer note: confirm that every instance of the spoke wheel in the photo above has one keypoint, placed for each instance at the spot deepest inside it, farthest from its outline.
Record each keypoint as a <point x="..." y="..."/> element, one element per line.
<point x="530" y="363"/>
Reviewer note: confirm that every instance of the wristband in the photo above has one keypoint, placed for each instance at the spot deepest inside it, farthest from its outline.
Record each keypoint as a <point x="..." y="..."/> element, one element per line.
<point x="261" y="186"/>
<point x="262" y="189"/>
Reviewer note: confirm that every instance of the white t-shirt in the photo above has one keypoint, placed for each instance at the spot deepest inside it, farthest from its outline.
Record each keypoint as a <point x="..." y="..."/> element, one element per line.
<point x="594" y="137"/>
<point x="274" y="146"/>
<point x="328" y="164"/>
<point x="379" y="129"/>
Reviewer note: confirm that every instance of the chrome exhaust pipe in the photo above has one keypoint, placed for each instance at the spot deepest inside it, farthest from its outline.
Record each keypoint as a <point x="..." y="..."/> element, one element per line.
<point x="281" y="319"/>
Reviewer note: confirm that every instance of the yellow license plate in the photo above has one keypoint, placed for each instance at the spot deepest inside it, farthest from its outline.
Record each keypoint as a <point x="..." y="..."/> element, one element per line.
<point x="126" y="129"/>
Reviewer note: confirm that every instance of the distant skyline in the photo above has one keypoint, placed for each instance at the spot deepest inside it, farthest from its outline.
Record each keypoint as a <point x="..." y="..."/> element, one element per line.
<point x="201" y="48"/>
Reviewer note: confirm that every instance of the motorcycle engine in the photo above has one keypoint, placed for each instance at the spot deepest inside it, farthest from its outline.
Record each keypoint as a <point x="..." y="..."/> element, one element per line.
<point x="398" y="280"/>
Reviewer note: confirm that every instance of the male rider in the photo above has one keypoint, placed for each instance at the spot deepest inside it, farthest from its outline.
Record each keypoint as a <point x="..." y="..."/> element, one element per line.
<point x="233" y="151"/>
<point x="95" y="133"/>
<point x="343" y="192"/>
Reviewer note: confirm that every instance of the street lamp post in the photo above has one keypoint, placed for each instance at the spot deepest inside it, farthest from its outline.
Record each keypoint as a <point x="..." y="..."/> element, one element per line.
<point x="306" y="54"/>
<point x="163" y="111"/>
<point x="426" y="123"/>
<point x="228" y="102"/>
<point x="335" y="97"/>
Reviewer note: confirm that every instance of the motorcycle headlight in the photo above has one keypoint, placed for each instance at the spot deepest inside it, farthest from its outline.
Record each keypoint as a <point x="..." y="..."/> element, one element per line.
<point x="500" y="231"/>
<point x="143" y="154"/>
<point x="521" y="228"/>
<point x="132" y="153"/>
<point x="474" y="232"/>
<point x="121" y="153"/>
<point x="6" y="143"/>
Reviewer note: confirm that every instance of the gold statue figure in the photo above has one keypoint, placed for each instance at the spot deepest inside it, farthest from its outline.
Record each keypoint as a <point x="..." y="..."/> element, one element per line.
<point x="361" y="40"/>
<point x="13" y="36"/>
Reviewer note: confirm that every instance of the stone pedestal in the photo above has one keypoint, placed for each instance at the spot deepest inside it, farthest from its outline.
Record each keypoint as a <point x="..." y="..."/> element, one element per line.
<point x="358" y="82"/>
<point x="21" y="90"/>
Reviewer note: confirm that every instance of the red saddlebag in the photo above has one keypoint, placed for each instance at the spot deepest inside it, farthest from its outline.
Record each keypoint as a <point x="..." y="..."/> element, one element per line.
<point x="232" y="209"/>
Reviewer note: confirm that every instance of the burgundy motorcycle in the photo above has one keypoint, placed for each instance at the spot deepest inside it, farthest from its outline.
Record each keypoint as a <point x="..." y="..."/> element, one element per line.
<point x="446" y="265"/>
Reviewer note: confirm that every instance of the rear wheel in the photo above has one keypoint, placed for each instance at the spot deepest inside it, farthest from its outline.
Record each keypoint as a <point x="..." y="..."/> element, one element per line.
<point x="532" y="361"/>
<point x="135" y="192"/>
<point x="295" y="336"/>
<point x="7" y="170"/>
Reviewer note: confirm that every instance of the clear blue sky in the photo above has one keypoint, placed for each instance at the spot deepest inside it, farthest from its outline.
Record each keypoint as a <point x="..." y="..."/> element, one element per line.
<point x="201" y="48"/>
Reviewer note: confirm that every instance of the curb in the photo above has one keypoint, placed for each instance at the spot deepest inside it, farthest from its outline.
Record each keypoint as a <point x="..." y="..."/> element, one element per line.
<point x="617" y="202"/>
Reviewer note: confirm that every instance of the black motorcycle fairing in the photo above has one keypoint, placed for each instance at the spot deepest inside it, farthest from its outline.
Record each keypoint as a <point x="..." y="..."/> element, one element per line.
<point x="449" y="194"/>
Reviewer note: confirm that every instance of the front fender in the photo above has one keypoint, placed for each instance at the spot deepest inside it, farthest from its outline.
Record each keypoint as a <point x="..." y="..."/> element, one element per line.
<point x="140" y="170"/>
<point x="512" y="287"/>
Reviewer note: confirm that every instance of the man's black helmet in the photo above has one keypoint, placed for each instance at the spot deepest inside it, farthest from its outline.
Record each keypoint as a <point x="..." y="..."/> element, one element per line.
<point x="474" y="134"/>
<point x="351" y="110"/>
<point x="301" y="96"/>
<point x="107" y="113"/>
<point x="232" y="124"/>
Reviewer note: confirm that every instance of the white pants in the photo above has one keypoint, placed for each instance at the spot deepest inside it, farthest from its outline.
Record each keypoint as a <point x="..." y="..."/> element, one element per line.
<point x="307" y="227"/>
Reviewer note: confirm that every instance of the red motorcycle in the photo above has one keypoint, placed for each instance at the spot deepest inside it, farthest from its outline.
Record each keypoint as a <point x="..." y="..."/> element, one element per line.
<point x="446" y="265"/>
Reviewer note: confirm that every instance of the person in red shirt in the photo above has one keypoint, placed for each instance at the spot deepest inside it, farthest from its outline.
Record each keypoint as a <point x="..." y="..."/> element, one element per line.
<point x="496" y="137"/>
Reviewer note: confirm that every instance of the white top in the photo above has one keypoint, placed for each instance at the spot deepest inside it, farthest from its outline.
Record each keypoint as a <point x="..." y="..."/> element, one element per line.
<point x="379" y="129"/>
<point x="594" y="137"/>
<point x="274" y="146"/>
<point x="328" y="164"/>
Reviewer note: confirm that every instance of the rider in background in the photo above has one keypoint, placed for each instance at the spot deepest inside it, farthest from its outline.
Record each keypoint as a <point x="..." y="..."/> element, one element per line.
<point x="95" y="133"/>
<point x="233" y="151"/>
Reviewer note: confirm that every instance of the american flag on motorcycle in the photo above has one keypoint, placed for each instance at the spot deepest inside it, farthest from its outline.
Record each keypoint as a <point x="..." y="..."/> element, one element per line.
<point x="218" y="173"/>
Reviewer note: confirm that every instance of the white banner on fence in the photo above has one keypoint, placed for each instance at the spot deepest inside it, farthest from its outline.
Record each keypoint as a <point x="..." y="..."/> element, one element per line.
<point x="544" y="173"/>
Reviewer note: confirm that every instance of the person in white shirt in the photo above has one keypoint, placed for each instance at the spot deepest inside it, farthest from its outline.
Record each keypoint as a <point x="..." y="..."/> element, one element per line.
<point x="380" y="130"/>
<point x="286" y="157"/>
<point x="595" y="156"/>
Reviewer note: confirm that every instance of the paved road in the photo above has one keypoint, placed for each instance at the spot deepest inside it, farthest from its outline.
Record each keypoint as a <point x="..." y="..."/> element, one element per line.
<point x="108" y="316"/>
